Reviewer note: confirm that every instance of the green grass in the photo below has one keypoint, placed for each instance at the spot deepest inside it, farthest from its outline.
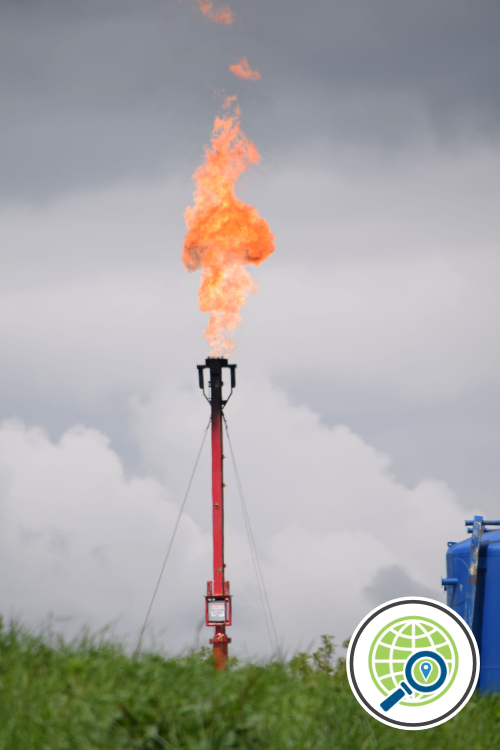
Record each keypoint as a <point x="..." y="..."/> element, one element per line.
<point x="90" y="695"/>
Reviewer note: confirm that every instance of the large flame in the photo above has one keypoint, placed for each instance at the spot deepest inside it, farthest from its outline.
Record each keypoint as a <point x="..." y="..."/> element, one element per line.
<point x="224" y="233"/>
<point x="243" y="70"/>
<point x="220" y="15"/>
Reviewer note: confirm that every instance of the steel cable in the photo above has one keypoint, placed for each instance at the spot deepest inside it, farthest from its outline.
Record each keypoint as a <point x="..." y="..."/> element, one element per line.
<point x="172" y="539"/>
<point x="253" y="549"/>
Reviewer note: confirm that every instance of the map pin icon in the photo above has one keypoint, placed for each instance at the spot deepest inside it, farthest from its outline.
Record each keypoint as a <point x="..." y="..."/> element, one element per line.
<point x="426" y="668"/>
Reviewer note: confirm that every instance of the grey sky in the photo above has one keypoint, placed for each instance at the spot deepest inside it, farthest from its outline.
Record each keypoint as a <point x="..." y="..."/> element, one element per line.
<point x="368" y="380"/>
<point x="96" y="92"/>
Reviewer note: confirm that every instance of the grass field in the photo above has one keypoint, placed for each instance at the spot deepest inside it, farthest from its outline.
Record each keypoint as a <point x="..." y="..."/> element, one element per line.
<point x="90" y="695"/>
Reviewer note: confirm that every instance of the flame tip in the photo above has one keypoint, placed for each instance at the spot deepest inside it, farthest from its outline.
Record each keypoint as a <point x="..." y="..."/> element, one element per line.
<point x="244" y="71"/>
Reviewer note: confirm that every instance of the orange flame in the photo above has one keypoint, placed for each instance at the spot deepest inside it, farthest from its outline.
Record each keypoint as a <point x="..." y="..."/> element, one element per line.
<point x="224" y="233"/>
<point x="222" y="15"/>
<point x="243" y="70"/>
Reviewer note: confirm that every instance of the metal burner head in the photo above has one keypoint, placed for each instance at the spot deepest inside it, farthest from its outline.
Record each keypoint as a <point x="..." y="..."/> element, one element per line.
<point x="215" y="365"/>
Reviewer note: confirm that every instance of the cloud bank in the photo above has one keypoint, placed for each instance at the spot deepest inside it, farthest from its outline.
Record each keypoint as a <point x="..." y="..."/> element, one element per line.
<point x="83" y="539"/>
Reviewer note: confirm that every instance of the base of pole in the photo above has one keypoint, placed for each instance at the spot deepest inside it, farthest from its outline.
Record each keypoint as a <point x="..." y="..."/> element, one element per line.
<point x="220" y="643"/>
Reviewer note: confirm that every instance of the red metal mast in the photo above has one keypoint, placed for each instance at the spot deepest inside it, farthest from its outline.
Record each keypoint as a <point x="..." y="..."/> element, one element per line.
<point x="218" y="599"/>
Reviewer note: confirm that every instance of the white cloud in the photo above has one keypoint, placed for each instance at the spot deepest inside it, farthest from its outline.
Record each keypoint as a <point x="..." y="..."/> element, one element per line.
<point x="326" y="511"/>
<point x="81" y="538"/>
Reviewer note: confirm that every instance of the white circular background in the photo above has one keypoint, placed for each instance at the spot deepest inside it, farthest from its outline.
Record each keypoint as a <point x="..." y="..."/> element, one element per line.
<point x="370" y="697"/>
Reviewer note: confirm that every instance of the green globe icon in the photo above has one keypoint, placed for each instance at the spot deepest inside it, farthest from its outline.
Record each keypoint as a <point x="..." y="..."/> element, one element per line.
<point x="400" y="640"/>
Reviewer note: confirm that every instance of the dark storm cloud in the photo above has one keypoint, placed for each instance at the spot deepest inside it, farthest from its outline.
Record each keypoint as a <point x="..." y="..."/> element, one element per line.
<point x="95" y="92"/>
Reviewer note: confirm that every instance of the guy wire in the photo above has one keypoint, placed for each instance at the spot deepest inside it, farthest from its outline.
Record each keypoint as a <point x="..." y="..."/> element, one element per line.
<point x="172" y="539"/>
<point x="253" y="549"/>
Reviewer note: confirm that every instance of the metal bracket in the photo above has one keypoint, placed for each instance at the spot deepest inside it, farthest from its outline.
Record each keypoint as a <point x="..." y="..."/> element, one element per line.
<point x="233" y="383"/>
<point x="201" y="380"/>
<point x="475" y="544"/>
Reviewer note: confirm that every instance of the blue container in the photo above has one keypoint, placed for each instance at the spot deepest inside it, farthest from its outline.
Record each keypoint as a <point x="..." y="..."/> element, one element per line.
<point x="486" y="621"/>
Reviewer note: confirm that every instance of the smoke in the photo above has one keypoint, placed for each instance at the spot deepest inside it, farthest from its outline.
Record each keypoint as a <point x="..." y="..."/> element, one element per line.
<point x="224" y="233"/>
<point x="244" y="71"/>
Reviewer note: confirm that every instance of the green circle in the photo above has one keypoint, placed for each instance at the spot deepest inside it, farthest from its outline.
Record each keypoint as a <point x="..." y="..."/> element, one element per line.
<point x="397" y="641"/>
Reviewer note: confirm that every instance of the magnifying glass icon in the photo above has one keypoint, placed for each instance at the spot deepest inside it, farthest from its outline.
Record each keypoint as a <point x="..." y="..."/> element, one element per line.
<point x="405" y="688"/>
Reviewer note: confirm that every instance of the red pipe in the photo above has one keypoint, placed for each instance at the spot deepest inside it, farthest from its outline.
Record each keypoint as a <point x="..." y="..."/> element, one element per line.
<point x="217" y="483"/>
<point x="219" y="589"/>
